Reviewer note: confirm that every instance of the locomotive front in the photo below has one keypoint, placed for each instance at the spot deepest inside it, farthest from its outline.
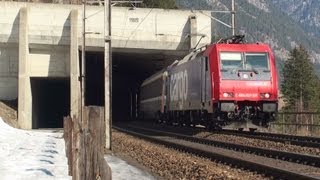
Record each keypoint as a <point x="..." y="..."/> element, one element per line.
<point x="245" y="83"/>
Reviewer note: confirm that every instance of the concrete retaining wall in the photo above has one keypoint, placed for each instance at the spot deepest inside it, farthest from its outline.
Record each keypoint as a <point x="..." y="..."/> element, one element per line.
<point x="8" y="72"/>
<point x="139" y="28"/>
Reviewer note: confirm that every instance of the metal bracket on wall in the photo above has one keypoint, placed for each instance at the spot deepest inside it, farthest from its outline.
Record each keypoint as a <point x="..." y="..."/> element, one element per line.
<point x="107" y="39"/>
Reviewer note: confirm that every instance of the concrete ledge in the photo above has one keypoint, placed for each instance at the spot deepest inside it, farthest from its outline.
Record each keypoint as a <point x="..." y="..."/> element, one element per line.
<point x="140" y="28"/>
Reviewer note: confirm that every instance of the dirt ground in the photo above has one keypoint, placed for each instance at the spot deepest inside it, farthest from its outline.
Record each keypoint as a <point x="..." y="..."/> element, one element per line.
<point x="8" y="112"/>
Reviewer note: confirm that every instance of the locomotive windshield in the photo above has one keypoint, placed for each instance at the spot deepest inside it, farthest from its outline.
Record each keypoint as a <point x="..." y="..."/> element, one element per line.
<point x="231" y="61"/>
<point x="233" y="64"/>
<point x="256" y="61"/>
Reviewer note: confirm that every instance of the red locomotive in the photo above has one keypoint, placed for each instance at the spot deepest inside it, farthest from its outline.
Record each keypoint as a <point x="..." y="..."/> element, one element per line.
<point x="226" y="83"/>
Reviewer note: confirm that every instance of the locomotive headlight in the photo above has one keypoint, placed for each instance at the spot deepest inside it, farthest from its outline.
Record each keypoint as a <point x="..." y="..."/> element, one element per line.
<point x="265" y="95"/>
<point x="227" y="94"/>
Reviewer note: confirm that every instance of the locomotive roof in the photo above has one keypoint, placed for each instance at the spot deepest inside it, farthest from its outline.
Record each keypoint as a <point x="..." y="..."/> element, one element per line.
<point x="160" y="73"/>
<point x="154" y="77"/>
<point x="243" y="47"/>
<point x="192" y="55"/>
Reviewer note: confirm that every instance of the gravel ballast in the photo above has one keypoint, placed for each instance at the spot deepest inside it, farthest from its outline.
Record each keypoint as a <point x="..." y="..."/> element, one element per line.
<point x="260" y="143"/>
<point x="171" y="164"/>
<point x="233" y="139"/>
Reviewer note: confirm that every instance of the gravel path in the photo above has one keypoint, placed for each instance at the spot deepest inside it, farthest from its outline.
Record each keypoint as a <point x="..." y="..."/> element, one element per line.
<point x="172" y="164"/>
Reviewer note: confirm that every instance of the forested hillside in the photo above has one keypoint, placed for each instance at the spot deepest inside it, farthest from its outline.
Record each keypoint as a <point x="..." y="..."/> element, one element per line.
<point x="306" y="12"/>
<point x="261" y="20"/>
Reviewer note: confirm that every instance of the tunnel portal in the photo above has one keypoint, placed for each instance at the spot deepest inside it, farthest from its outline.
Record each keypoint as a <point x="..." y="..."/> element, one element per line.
<point x="50" y="102"/>
<point x="51" y="95"/>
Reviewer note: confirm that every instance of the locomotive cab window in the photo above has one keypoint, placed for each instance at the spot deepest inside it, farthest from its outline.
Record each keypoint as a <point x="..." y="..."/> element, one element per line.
<point x="256" y="61"/>
<point x="231" y="61"/>
<point x="237" y="65"/>
<point x="247" y="61"/>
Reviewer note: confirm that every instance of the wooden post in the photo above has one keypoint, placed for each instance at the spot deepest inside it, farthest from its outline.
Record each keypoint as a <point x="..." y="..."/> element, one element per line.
<point x="92" y="163"/>
<point x="67" y="134"/>
<point x="85" y="142"/>
<point x="76" y="148"/>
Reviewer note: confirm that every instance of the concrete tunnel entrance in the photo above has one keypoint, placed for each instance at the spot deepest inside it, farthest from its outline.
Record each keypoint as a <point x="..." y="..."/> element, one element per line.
<point x="50" y="102"/>
<point x="125" y="78"/>
<point x="128" y="71"/>
<point x="51" y="95"/>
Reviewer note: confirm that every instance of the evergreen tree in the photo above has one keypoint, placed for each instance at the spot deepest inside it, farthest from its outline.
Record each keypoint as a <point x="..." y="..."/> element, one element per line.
<point x="301" y="85"/>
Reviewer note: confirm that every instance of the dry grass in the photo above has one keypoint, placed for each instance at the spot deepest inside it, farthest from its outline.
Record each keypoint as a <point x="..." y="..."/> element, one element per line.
<point x="8" y="112"/>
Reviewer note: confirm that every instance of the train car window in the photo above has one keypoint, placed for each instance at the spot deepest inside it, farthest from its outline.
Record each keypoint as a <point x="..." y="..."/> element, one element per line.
<point x="256" y="61"/>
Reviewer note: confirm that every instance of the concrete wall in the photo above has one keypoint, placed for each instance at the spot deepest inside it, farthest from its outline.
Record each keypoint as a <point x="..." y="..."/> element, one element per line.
<point x="138" y="29"/>
<point x="43" y="63"/>
<point x="49" y="62"/>
<point x="155" y="28"/>
<point x="49" y="36"/>
<point x="35" y="41"/>
<point x="8" y="71"/>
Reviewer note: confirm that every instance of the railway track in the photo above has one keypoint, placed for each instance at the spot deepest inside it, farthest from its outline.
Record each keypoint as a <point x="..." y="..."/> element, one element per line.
<point x="237" y="155"/>
<point x="304" y="141"/>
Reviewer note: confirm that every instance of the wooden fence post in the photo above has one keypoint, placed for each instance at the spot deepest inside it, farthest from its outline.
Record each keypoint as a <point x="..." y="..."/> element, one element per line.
<point x="93" y="144"/>
<point x="67" y="134"/>
<point x="85" y="145"/>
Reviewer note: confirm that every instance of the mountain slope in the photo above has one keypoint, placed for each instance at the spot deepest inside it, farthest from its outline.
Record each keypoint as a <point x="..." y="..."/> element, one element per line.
<point x="305" y="12"/>
<point x="260" y="20"/>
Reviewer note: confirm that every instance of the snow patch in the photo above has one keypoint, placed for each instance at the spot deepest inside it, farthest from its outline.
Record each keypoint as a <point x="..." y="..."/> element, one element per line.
<point x="121" y="170"/>
<point x="31" y="154"/>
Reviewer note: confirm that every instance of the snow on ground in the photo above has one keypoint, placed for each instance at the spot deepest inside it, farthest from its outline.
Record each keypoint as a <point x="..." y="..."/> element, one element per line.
<point x="31" y="154"/>
<point x="121" y="170"/>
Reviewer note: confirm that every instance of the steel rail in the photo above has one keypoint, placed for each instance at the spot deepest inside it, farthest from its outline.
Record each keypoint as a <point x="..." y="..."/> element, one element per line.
<point x="305" y="141"/>
<point x="287" y="156"/>
<point x="235" y="161"/>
